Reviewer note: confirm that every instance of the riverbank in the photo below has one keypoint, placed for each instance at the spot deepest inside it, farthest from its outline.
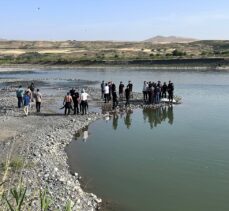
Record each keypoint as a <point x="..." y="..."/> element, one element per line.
<point x="37" y="144"/>
<point x="35" y="67"/>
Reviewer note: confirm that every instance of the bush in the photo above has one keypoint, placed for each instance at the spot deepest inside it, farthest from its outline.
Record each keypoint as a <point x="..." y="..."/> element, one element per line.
<point x="178" y="53"/>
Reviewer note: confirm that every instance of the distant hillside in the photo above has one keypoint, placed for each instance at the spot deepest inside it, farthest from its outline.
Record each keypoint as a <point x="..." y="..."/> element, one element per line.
<point x="170" y="39"/>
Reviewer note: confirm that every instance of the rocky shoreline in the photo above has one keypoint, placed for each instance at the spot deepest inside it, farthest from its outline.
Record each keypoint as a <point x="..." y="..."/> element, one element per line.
<point x="39" y="140"/>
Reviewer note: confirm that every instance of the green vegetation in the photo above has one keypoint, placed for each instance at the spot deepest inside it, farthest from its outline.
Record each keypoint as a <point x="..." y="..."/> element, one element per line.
<point x="17" y="200"/>
<point x="18" y="196"/>
<point x="45" y="201"/>
<point x="103" y="53"/>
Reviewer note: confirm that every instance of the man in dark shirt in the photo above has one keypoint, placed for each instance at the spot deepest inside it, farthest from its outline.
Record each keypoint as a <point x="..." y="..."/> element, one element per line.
<point x="113" y="88"/>
<point x="75" y="99"/>
<point x="121" y="90"/>
<point x="102" y="89"/>
<point x="127" y="93"/>
<point x="130" y="86"/>
<point x="170" y="90"/>
<point x="164" y="90"/>
<point x="115" y="99"/>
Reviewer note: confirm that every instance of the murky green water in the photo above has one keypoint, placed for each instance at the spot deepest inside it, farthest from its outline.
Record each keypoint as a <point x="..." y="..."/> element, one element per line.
<point x="171" y="159"/>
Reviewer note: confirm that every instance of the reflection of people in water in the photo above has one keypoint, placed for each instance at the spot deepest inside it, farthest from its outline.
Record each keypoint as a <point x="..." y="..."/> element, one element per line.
<point x="158" y="115"/>
<point x="170" y="114"/>
<point x="115" y="121"/>
<point x="83" y="133"/>
<point x="127" y="119"/>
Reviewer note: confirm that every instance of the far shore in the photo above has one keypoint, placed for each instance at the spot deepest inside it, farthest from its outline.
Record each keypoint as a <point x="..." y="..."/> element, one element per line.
<point x="31" y="67"/>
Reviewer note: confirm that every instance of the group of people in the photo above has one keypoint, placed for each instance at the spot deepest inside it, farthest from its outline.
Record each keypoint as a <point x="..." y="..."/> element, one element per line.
<point x="154" y="92"/>
<point x="108" y="92"/>
<point x="79" y="101"/>
<point x="25" y="97"/>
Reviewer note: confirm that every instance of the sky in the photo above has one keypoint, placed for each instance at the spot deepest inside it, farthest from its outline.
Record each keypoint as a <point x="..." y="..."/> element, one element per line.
<point x="118" y="20"/>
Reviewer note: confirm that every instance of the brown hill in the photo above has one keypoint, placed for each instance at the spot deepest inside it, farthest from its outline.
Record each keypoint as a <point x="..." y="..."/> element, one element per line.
<point x="170" y="39"/>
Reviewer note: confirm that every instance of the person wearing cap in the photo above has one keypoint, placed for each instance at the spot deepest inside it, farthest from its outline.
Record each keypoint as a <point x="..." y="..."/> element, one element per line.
<point x="121" y="90"/>
<point x="84" y="102"/>
<point x="67" y="103"/>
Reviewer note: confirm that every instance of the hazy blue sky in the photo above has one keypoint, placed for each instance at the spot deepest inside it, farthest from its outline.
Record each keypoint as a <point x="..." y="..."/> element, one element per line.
<point x="113" y="19"/>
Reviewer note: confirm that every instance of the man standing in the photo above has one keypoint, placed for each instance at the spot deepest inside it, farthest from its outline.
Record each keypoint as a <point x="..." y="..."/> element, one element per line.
<point x="127" y="93"/>
<point x="102" y="89"/>
<point x="84" y="102"/>
<point x="67" y="103"/>
<point x="32" y="88"/>
<point x="121" y="90"/>
<point x="114" y="98"/>
<point x="106" y="91"/>
<point x="164" y="90"/>
<point x="38" y="97"/>
<point x="130" y="86"/>
<point x="113" y="88"/>
<point x="26" y="103"/>
<point x="170" y="91"/>
<point x="19" y="94"/>
<point x="75" y="98"/>
<point x="144" y="91"/>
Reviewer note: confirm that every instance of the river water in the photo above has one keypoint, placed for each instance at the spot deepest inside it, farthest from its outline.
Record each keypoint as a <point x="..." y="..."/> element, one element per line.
<point x="166" y="159"/>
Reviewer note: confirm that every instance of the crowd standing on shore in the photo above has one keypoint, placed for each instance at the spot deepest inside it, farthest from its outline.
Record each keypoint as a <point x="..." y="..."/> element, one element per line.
<point x="152" y="92"/>
<point x="77" y="101"/>
<point x="25" y="97"/>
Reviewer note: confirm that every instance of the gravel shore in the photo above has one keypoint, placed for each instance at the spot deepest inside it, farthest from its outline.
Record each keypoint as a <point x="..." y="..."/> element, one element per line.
<point x="39" y="140"/>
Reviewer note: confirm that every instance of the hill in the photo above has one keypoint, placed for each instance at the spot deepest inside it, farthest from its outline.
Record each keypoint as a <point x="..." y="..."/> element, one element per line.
<point x="207" y="52"/>
<point x="170" y="39"/>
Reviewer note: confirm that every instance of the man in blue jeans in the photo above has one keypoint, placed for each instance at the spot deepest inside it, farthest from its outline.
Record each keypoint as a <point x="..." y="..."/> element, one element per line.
<point x="26" y="103"/>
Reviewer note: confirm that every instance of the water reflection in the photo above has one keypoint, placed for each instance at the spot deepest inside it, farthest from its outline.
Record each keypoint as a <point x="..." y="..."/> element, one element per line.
<point x="159" y="115"/>
<point x="154" y="117"/>
<point x="115" y="121"/>
<point x="82" y="134"/>
<point x="128" y="119"/>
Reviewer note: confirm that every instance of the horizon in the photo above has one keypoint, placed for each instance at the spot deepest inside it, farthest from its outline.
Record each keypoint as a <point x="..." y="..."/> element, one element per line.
<point x="119" y="21"/>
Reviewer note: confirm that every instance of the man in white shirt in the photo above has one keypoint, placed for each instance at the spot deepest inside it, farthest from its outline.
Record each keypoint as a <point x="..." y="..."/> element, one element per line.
<point x="106" y="93"/>
<point x="84" y="103"/>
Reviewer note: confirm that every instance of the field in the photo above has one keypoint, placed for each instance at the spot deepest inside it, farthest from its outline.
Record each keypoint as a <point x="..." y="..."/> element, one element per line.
<point x="198" y="53"/>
